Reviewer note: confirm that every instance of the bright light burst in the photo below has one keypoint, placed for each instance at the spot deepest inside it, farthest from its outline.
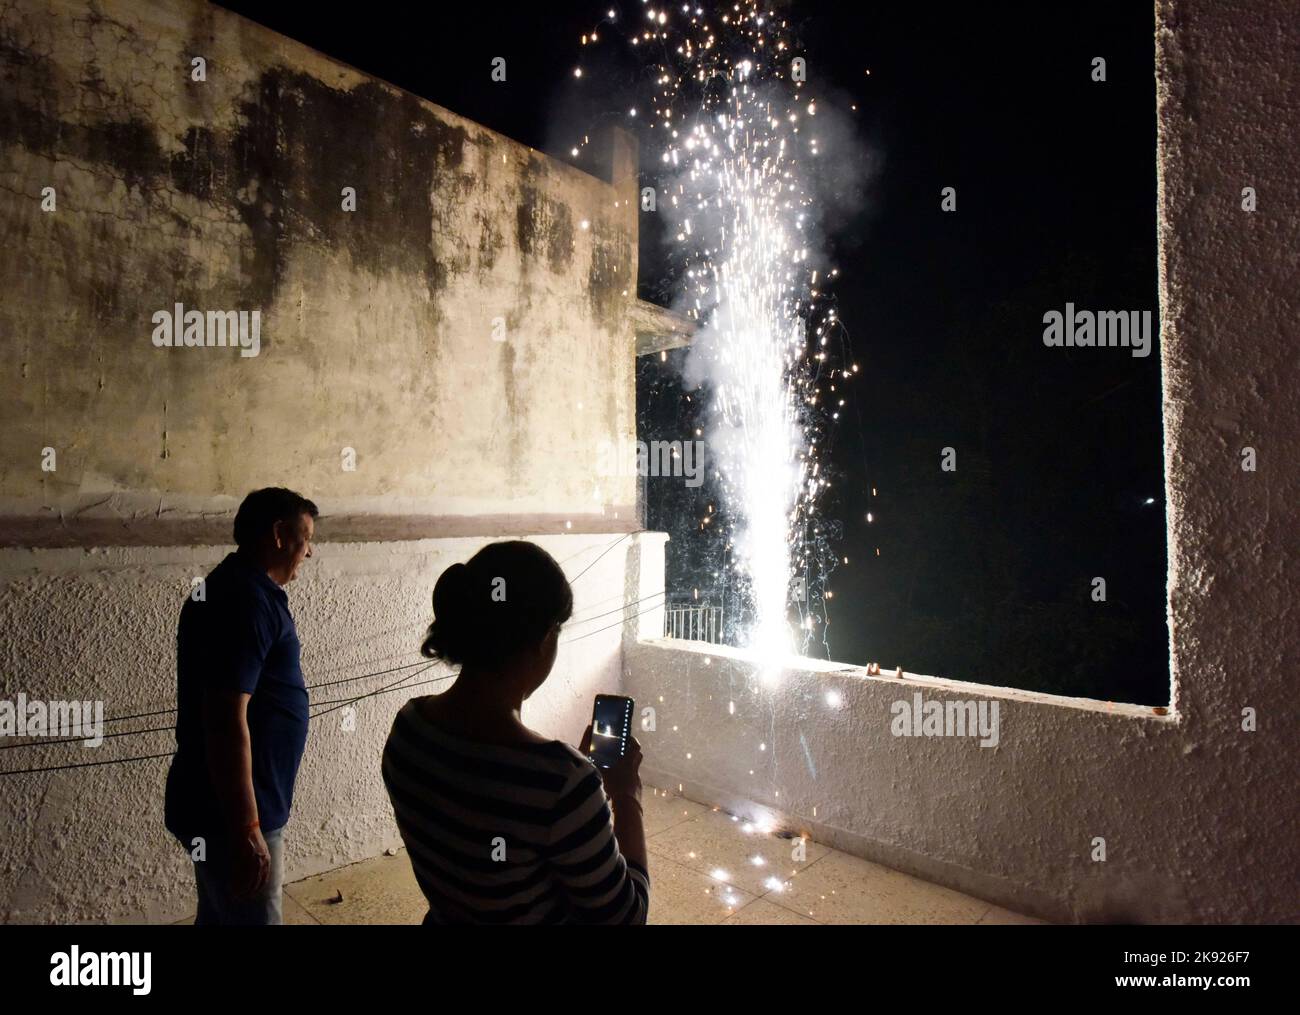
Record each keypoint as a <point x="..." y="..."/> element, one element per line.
<point x="736" y="137"/>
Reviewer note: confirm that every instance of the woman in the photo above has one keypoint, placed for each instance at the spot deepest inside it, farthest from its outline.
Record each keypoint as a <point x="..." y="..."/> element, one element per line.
<point x="503" y="825"/>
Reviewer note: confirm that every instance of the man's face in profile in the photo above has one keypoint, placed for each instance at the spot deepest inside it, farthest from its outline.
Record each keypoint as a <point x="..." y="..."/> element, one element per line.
<point x="293" y="546"/>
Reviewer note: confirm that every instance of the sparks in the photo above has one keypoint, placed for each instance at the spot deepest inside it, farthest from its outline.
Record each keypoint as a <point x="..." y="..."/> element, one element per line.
<point x="725" y="109"/>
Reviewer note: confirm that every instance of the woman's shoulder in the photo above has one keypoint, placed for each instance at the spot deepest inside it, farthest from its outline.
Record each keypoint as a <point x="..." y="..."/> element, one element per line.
<point x="423" y="718"/>
<point x="533" y="738"/>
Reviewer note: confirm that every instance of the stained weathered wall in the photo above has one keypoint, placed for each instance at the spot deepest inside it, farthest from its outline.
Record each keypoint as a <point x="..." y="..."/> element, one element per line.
<point x="377" y="325"/>
<point x="1199" y="816"/>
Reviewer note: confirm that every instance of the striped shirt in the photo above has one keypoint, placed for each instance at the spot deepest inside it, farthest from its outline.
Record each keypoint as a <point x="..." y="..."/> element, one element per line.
<point x="519" y="834"/>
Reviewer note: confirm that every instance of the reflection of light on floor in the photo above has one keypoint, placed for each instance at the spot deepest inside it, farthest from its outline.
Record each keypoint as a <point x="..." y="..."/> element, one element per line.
<point x="725" y="890"/>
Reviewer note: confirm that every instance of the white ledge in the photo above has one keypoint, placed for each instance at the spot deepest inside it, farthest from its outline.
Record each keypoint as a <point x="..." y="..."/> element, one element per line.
<point x="968" y="689"/>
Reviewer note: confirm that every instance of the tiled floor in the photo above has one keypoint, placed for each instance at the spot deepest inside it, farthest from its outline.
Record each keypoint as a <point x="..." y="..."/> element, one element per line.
<point x="705" y="868"/>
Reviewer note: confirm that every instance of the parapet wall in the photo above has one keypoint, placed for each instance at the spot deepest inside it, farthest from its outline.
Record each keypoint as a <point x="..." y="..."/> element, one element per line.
<point x="464" y="330"/>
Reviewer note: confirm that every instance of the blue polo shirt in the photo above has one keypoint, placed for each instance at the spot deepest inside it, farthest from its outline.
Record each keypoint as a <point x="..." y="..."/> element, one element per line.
<point x="240" y="637"/>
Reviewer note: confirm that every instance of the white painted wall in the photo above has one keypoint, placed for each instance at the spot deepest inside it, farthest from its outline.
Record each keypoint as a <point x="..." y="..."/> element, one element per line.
<point x="88" y="845"/>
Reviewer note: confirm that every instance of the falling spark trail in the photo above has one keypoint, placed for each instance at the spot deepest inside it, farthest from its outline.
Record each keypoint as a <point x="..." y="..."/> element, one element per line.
<point x="728" y="110"/>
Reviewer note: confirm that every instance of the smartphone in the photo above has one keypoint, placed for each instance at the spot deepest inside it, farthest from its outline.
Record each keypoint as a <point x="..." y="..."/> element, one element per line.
<point x="611" y="724"/>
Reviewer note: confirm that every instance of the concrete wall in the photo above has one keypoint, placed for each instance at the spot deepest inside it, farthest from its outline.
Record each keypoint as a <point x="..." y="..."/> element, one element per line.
<point x="88" y="845"/>
<point x="377" y="325"/>
<point x="377" y="334"/>
<point x="1198" y="815"/>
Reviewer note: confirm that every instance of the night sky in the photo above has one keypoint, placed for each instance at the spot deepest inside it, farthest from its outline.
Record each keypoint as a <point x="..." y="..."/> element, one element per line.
<point x="986" y="573"/>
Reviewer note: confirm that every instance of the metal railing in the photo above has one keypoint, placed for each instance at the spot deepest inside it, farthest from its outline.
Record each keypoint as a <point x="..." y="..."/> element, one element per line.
<point x="692" y="622"/>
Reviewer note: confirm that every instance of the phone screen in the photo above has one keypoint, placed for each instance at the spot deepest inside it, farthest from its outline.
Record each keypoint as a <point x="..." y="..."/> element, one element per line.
<point x="611" y="722"/>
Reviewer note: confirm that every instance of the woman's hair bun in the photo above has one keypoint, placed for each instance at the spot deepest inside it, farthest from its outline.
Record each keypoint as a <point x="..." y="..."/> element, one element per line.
<point x="506" y="598"/>
<point x="447" y="633"/>
<point x="451" y="590"/>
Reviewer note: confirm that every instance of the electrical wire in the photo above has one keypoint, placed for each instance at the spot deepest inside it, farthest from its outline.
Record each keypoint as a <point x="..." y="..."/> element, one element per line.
<point x="341" y="702"/>
<point x="399" y="684"/>
<point x="579" y="553"/>
<point x="625" y="620"/>
<point x="597" y="616"/>
<point x="602" y="553"/>
<point x="380" y="673"/>
<point x="150" y="757"/>
<point x="323" y="683"/>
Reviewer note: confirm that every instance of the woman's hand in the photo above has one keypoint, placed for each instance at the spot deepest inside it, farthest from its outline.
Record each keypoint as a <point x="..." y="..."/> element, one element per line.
<point x="623" y="778"/>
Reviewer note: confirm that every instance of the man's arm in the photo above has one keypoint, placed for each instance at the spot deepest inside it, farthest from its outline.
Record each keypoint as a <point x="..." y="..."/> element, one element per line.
<point x="230" y="766"/>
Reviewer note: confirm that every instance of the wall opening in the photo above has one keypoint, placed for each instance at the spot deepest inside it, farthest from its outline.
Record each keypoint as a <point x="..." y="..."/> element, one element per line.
<point x="997" y="503"/>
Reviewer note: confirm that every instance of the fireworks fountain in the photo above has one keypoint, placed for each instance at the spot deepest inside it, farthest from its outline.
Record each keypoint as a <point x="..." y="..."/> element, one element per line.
<point x="733" y="128"/>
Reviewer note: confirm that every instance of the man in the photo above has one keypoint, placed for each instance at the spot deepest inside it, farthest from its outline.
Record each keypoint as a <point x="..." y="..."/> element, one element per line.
<point x="241" y="722"/>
